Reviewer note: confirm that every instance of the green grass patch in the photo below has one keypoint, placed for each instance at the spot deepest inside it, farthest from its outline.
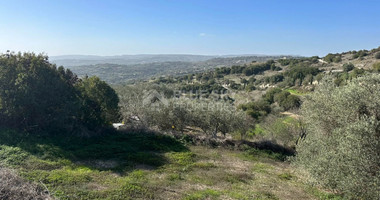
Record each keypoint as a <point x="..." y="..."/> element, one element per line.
<point x="175" y="177"/>
<point x="323" y="195"/>
<point x="258" y="130"/>
<point x="203" y="194"/>
<point x="16" y="148"/>
<point x="261" y="168"/>
<point x="182" y="158"/>
<point x="286" y="176"/>
<point x="203" y="165"/>
<point x="296" y="92"/>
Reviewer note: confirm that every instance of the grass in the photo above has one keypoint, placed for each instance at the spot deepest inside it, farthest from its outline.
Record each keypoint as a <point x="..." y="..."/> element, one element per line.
<point x="296" y="92"/>
<point x="146" y="166"/>
<point x="203" y="194"/>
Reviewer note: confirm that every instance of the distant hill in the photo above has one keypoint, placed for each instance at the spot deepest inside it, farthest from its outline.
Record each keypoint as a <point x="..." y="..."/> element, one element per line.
<point x="77" y="60"/>
<point x="120" y="69"/>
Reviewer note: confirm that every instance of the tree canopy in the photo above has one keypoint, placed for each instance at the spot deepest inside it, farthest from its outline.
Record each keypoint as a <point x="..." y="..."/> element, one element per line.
<point x="36" y="95"/>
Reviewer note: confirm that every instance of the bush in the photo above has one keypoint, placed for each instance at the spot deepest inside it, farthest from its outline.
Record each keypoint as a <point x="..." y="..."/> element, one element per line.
<point x="377" y="55"/>
<point x="297" y="74"/>
<point x="37" y="96"/>
<point x="286" y="100"/>
<point x="99" y="99"/>
<point x="360" y="54"/>
<point x="332" y="58"/>
<point x="256" y="109"/>
<point x="348" y="67"/>
<point x="341" y="147"/>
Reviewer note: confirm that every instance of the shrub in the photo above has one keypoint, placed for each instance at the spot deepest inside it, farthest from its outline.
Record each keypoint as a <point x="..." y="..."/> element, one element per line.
<point x="286" y="100"/>
<point x="99" y="99"/>
<point x="360" y="54"/>
<point x="348" y="67"/>
<point x="256" y="109"/>
<point x="341" y="147"/>
<point x="377" y="55"/>
<point x="297" y="74"/>
<point x="332" y="58"/>
<point x="36" y="95"/>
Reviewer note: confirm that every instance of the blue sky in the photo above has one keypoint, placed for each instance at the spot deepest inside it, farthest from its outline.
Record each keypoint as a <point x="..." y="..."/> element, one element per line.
<point x="212" y="27"/>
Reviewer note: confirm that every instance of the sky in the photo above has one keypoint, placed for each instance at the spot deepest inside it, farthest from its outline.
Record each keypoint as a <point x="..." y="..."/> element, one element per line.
<point x="207" y="27"/>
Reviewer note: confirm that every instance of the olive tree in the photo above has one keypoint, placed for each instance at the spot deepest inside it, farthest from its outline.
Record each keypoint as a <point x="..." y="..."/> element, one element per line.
<point x="342" y="143"/>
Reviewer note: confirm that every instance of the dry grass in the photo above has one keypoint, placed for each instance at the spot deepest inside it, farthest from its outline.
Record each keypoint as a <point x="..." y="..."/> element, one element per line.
<point x="14" y="187"/>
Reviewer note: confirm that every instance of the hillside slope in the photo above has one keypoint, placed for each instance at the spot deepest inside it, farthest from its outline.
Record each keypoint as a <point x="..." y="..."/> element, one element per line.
<point x="146" y="166"/>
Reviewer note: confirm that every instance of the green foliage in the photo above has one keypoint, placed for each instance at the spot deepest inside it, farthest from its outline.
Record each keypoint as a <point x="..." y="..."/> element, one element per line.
<point x="377" y="55"/>
<point x="332" y="58"/>
<point x="250" y="87"/>
<point x="285" y="176"/>
<point x="36" y="95"/>
<point x="274" y="79"/>
<point x="341" y="147"/>
<point x="206" y="88"/>
<point x="12" y="155"/>
<point x="182" y="158"/>
<point x="348" y="67"/>
<point x="99" y="102"/>
<point x="269" y="95"/>
<point x="297" y="74"/>
<point x="296" y="61"/>
<point x="283" y="130"/>
<point x="256" y="109"/>
<point x="286" y="100"/>
<point x="360" y="54"/>
<point x="289" y="101"/>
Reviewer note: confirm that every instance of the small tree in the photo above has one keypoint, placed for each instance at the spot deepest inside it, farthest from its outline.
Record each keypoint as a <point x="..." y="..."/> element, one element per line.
<point x="99" y="99"/>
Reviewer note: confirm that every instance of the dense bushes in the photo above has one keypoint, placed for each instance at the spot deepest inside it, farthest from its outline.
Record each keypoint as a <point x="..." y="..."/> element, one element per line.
<point x="256" y="109"/>
<point x="332" y="58"/>
<point x="36" y="95"/>
<point x="100" y="100"/>
<point x="259" y="109"/>
<point x="360" y="54"/>
<point x="341" y="147"/>
<point x="296" y="75"/>
<point x="286" y="100"/>
<point x="248" y="70"/>
<point x="205" y="88"/>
